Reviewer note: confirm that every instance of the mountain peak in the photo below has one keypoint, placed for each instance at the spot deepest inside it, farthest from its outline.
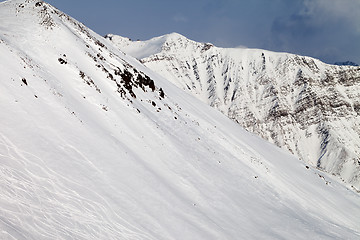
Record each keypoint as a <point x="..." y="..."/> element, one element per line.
<point x="168" y="42"/>
<point x="25" y="4"/>
<point x="19" y="1"/>
<point x="143" y="49"/>
<point x="30" y="14"/>
<point x="173" y="36"/>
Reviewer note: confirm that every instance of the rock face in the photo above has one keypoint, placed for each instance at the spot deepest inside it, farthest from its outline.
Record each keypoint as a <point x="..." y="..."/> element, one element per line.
<point x="299" y="103"/>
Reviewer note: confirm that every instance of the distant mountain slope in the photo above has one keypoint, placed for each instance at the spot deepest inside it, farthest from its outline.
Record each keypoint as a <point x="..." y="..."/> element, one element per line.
<point x="347" y="63"/>
<point x="299" y="103"/>
<point x="93" y="145"/>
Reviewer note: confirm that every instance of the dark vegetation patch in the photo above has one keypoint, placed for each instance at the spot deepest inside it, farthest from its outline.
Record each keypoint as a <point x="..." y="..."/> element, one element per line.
<point x="143" y="81"/>
<point x="62" y="61"/>
<point x="104" y="107"/>
<point x="89" y="81"/>
<point x="206" y="47"/>
<point x="127" y="82"/>
<point x="19" y="7"/>
<point x="263" y="61"/>
<point x="46" y="19"/>
<point x="97" y="42"/>
<point x="357" y="108"/>
<point x="126" y="79"/>
<point x="130" y="80"/>
<point x="82" y="74"/>
<point x="28" y="62"/>
<point x="117" y="71"/>
<point x="91" y="56"/>
<point x="100" y="57"/>
<point x="110" y="76"/>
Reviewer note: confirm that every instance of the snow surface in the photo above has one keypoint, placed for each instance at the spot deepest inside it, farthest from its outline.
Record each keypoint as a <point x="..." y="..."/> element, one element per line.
<point x="143" y="49"/>
<point x="79" y="159"/>
<point x="307" y="107"/>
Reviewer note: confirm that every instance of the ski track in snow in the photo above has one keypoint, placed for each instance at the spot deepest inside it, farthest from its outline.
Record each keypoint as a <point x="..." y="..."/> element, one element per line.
<point x="38" y="191"/>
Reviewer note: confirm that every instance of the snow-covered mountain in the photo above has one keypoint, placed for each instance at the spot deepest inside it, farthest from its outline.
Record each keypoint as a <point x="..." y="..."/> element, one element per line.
<point x="299" y="103"/>
<point x="93" y="145"/>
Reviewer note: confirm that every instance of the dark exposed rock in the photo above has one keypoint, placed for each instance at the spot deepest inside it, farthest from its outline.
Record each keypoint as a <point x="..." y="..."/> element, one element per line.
<point x="62" y="61"/>
<point x="161" y="93"/>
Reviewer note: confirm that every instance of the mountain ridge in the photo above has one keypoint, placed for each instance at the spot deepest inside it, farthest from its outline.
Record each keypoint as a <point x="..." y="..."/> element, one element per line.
<point x="346" y="63"/>
<point x="281" y="97"/>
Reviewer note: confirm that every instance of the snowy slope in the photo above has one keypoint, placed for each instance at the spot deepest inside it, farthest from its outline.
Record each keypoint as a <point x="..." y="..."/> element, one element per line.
<point x="299" y="103"/>
<point x="93" y="145"/>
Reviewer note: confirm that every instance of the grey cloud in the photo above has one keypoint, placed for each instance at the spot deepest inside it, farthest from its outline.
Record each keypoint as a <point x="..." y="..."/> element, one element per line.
<point x="324" y="29"/>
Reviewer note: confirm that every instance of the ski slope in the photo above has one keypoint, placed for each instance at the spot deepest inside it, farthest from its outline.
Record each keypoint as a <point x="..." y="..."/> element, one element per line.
<point x="90" y="148"/>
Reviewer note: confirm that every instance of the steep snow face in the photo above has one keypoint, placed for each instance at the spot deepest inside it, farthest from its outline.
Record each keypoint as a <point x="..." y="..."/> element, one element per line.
<point x="299" y="103"/>
<point x="93" y="145"/>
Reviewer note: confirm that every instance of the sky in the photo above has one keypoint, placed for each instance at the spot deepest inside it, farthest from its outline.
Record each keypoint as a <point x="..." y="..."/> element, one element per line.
<point x="325" y="29"/>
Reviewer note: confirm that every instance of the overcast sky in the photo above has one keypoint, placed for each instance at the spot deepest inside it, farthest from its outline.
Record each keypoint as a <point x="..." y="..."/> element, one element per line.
<point x="325" y="29"/>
